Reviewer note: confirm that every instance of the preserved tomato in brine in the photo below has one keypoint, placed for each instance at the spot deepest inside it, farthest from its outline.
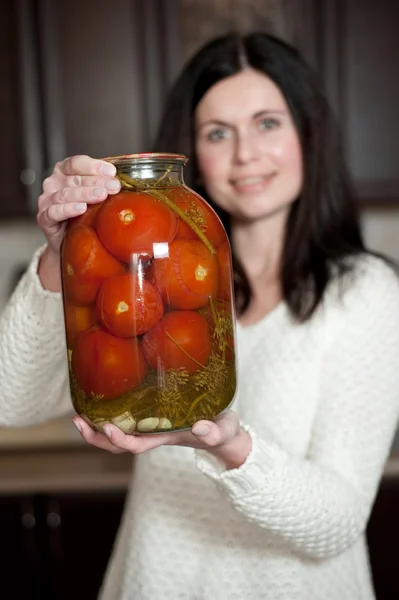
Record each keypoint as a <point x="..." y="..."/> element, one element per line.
<point x="148" y="303"/>
<point x="200" y="213"/>
<point x="181" y="340"/>
<point x="130" y="223"/>
<point x="87" y="218"/>
<point x="128" y="306"/>
<point x="86" y="264"/>
<point x="188" y="276"/>
<point x="78" y="319"/>
<point x="106" y="366"/>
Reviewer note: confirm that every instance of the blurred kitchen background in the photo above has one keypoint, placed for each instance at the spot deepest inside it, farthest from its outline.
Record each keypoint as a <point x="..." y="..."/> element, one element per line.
<point x="90" y="76"/>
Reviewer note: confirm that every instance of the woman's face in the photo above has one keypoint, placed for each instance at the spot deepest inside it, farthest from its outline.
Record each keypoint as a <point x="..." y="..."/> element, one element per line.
<point x="247" y="147"/>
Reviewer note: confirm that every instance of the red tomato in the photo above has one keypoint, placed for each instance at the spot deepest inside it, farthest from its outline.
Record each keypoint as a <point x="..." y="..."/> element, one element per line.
<point x="86" y="264"/>
<point x="201" y="213"/>
<point x="77" y="320"/>
<point x="88" y="218"/>
<point x="107" y="366"/>
<point x="129" y="305"/>
<point x="131" y="222"/>
<point x="188" y="276"/>
<point x="181" y="339"/>
<point x="223" y="254"/>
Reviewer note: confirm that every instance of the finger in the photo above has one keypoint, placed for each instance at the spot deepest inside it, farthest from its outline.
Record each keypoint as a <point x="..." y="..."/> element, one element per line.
<point x="58" y="181"/>
<point x="222" y="431"/>
<point x="95" y="438"/>
<point x="111" y="184"/>
<point x="203" y="434"/>
<point x="51" y="217"/>
<point x="92" y="195"/>
<point x="85" y="165"/>
<point x="135" y="444"/>
<point x="51" y="184"/>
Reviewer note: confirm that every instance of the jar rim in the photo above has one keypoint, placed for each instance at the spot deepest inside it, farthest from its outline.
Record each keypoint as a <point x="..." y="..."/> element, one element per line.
<point x="147" y="157"/>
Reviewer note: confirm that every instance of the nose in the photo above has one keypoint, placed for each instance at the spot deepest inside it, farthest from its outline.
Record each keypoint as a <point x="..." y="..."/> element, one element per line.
<point x="246" y="149"/>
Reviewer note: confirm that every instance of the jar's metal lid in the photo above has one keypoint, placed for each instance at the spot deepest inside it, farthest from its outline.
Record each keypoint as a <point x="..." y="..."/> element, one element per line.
<point x="145" y="157"/>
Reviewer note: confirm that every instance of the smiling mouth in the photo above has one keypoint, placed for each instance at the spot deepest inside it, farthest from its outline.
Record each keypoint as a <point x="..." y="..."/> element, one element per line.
<point x="249" y="182"/>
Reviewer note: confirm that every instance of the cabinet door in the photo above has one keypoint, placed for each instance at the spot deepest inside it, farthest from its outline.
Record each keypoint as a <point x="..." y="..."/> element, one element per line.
<point x="81" y="530"/>
<point x="105" y="74"/>
<point x="20" y="557"/>
<point x="358" y="60"/>
<point x="12" y="192"/>
<point x="89" y="85"/>
<point x="383" y="539"/>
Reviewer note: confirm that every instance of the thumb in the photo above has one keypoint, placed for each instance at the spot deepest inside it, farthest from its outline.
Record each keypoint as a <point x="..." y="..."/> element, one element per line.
<point x="219" y="432"/>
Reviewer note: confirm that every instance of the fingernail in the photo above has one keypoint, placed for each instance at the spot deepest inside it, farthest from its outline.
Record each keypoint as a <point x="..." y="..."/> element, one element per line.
<point x="200" y="430"/>
<point x="78" y="426"/>
<point x="98" y="192"/>
<point x="108" y="169"/>
<point x="112" y="185"/>
<point x="107" y="431"/>
<point x="81" y="207"/>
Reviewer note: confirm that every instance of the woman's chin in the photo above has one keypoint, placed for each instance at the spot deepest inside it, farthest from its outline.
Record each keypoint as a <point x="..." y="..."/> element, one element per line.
<point x="253" y="212"/>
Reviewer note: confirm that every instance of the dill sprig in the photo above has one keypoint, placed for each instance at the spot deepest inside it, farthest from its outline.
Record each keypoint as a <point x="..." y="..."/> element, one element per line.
<point x="214" y="377"/>
<point x="171" y="388"/>
<point x="194" y="213"/>
<point x="222" y="327"/>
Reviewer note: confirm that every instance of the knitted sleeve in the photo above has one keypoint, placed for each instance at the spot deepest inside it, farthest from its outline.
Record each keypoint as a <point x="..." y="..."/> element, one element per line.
<point x="320" y="504"/>
<point x="33" y="366"/>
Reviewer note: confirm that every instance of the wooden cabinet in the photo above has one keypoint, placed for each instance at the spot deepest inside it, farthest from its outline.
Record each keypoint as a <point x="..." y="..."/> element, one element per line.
<point x="57" y="546"/>
<point x="79" y="78"/>
<point x="20" y="554"/>
<point x="60" y="510"/>
<point x="12" y="192"/>
<point x="81" y="533"/>
<point x="356" y="50"/>
<point x="383" y="540"/>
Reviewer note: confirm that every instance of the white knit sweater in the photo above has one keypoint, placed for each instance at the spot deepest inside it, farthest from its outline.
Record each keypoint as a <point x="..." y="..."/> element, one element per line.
<point x="321" y="403"/>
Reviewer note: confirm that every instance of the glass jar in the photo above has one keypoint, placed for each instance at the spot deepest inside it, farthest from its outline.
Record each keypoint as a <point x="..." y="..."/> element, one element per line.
<point x="148" y="303"/>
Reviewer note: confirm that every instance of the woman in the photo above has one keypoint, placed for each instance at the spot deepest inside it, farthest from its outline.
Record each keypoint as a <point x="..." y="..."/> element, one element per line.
<point x="272" y="500"/>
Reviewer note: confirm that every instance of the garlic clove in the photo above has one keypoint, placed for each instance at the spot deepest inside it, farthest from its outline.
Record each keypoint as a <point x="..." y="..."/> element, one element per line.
<point x="148" y="424"/>
<point x="125" y="422"/>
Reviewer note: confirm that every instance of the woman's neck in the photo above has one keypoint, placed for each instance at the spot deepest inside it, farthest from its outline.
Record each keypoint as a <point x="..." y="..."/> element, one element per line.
<point x="258" y="247"/>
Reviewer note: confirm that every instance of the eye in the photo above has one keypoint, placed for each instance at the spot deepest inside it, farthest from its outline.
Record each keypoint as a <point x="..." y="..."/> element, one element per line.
<point x="216" y="135"/>
<point x="268" y="123"/>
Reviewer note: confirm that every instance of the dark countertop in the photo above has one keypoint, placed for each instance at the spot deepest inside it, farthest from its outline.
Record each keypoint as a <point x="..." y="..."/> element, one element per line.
<point x="53" y="457"/>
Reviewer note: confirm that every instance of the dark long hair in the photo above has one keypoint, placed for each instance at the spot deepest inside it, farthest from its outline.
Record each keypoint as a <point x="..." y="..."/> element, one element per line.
<point x="322" y="230"/>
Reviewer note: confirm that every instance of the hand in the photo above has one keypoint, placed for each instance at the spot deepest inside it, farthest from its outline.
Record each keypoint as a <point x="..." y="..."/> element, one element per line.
<point x="223" y="437"/>
<point x="74" y="183"/>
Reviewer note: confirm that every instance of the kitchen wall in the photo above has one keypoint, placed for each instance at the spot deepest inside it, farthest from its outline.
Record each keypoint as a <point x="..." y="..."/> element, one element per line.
<point x="381" y="229"/>
<point x="18" y="241"/>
